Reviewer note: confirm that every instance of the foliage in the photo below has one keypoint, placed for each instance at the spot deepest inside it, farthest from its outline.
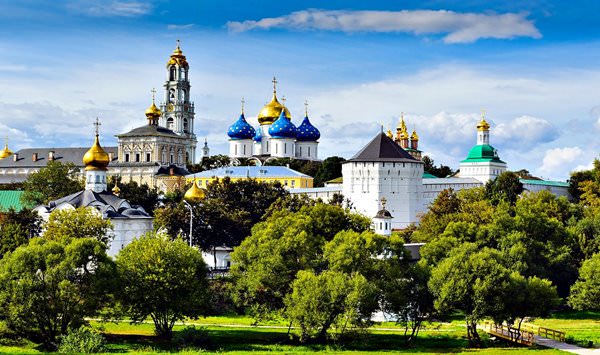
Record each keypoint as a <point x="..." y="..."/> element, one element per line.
<point x="50" y="183"/>
<point x="48" y="287"/>
<point x="529" y="297"/>
<point x="330" y="169"/>
<point x="83" y="222"/>
<point x="137" y="195"/>
<point x="585" y="293"/>
<point x="16" y="228"/>
<point x="83" y="340"/>
<point x="227" y="214"/>
<point x="191" y="336"/>
<point x="208" y="163"/>
<point x="161" y="279"/>
<point x="577" y="177"/>
<point x="506" y="186"/>
<point x="440" y="171"/>
<point x="331" y="298"/>
<point x="308" y="167"/>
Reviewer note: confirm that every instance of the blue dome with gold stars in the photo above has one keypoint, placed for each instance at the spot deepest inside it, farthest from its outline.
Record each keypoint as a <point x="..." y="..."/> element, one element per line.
<point x="307" y="132"/>
<point x="283" y="127"/>
<point x="258" y="135"/>
<point x="241" y="129"/>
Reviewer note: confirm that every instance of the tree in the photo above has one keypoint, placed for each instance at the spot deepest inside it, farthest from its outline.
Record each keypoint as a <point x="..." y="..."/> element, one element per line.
<point x="329" y="170"/>
<point x="332" y="298"/>
<point x="140" y="195"/>
<point x="83" y="222"/>
<point x="52" y="182"/>
<point x="473" y="281"/>
<point x="208" y="163"/>
<point x="47" y="287"/>
<point x="585" y="293"/>
<point x="308" y="167"/>
<point x="442" y="171"/>
<point x="578" y="177"/>
<point x="267" y="262"/>
<point x="16" y="228"/>
<point x="162" y="279"/>
<point x="506" y="186"/>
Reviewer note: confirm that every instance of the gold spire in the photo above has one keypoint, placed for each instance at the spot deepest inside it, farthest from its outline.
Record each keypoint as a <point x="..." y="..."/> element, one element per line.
<point x="5" y="153"/>
<point x="271" y="111"/>
<point x="153" y="113"/>
<point x="389" y="134"/>
<point x="414" y="136"/>
<point x="483" y="125"/>
<point x="194" y="193"/>
<point x="96" y="157"/>
<point x="177" y="58"/>
<point x="402" y="131"/>
<point x="305" y="108"/>
<point x="116" y="190"/>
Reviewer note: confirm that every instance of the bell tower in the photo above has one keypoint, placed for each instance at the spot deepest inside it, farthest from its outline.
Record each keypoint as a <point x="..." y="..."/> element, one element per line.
<point x="177" y="109"/>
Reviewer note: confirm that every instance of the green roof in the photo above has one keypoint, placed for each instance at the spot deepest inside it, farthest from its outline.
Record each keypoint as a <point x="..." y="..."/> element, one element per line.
<point x="544" y="182"/>
<point x="10" y="199"/>
<point x="429" y="176"/>
<point x="482" y="153"/>
<point x="337" y="180"/>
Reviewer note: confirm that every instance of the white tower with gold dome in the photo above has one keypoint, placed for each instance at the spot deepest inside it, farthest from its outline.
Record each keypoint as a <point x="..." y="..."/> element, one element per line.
<point x="177" y="109"/>
<point x="96" y="162"/>
<point x="267" y="116"/>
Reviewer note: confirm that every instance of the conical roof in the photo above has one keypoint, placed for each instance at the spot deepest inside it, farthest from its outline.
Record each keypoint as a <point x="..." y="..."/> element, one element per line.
<point x="383" y="148"/>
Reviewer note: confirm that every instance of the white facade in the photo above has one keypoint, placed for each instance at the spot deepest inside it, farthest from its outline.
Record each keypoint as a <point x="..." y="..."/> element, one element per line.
<point x="240" y="148"/>
<point x="307" y="150"/>
<point x="401" y="183"/>
<point x="219" y="258"/>
<point x="482" y="171"/>
<point x="282" y="147"/>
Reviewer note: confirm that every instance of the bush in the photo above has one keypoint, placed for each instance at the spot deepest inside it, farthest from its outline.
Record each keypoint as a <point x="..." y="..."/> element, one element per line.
<point x="191" y="337"/>
<point x="83" y="340"/>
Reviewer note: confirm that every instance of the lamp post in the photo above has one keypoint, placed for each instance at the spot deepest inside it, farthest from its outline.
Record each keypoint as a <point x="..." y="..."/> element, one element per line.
<point x="189" y="207"/>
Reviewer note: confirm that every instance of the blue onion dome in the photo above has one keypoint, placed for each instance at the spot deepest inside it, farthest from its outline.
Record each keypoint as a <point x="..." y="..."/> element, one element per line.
<point x="241" y="129"/>
<point x="307" y="132"/>
<point x="283" y="127"/>
<point x="258" y="135"/>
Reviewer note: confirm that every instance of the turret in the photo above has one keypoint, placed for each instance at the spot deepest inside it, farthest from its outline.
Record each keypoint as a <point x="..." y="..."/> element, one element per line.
<point x="382" y="222"/>
<point x="307" y="137"/>
<point x="240" y="135"/>
<point x="96" y="161"/>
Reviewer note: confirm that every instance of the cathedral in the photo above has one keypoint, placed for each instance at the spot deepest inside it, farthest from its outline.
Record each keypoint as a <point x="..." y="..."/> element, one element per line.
<point x="155" y="153"/>
<point x="275" y="137"/>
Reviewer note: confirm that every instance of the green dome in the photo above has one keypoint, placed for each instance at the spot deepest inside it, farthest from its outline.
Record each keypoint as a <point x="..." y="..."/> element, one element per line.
<point x="483" y="152"/>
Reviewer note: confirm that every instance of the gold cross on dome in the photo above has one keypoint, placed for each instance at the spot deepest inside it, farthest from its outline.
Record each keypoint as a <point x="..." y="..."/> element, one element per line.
<point x="306" y="108"/>
<point x="283" y="100"/>
<point x="482" y="113"/>
<point x="243" y="102"/>
<point x="177" y="43"/>
<point x="97" y="125"/>
<point x="153" y="91"/>
<point x="383" y="202"/>
<point x="274" y="81"/>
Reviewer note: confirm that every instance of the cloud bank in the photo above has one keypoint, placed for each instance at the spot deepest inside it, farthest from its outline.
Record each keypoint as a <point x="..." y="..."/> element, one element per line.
<point x="111" y="8"/>
<point x="457" y="27"/>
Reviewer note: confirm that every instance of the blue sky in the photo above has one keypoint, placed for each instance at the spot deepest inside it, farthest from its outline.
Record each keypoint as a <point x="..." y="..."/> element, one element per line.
<point x="534" y="66"/>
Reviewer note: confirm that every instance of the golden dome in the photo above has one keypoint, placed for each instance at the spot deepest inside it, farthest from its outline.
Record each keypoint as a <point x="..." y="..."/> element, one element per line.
<point x="414" y="135"/>
<point x="5" y="153"/>
<point x="177" y="58"/>
<point x="389" y="134"/>
<point x="96" y="157"/>
<point x="483" y="125"/>
<point x="153" y="112"/>
<point x="194" y="193"/>
<point x="271" y="111"/>
<point x="116" y="190"/>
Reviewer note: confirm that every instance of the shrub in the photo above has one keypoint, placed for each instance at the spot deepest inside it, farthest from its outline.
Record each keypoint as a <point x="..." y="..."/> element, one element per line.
<point x="83" y="340"/>
<point x="191" y="337"/>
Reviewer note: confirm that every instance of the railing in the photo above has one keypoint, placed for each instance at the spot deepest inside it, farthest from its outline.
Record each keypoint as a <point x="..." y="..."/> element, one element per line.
<point x="547" y="332"/>
<point x="522" y="336"/>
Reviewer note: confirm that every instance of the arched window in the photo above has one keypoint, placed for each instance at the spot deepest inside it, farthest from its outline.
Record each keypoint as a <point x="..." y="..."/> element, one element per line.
<point x="172" y="72"/>
<point x="185" y="125"/>
<point x="170" y="123"/>
<point x="172" y="95"/>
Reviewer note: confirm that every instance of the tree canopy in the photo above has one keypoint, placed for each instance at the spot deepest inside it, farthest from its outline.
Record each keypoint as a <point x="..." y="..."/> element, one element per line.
<point x="52" y="182"/>
<point x="82" y="222"/>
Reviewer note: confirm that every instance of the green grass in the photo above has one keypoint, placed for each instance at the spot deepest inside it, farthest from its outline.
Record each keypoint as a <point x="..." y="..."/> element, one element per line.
<point x="582" y="326"/>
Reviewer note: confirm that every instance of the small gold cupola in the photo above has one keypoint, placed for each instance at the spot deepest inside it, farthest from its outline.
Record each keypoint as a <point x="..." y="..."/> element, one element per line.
<point x="177" y="58"/>
<point x="153" y="113"/>
<point x="483" y="125"/>
<point x="194" y="193"/>
<point x="96" y="158"/>
<point x="5" y="153"/>
<point x="271" y="111"/>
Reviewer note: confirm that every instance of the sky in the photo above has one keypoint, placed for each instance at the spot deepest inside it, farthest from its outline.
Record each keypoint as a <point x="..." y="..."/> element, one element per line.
<point x="532" y="66"/>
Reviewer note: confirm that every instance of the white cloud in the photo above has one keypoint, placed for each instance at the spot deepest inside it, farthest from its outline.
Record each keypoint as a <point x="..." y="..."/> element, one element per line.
<point x="525" y="132"/>
<point x="557" y="159"/>
<point x="174" y="27"/>
<point x="457" y="27"/>
<point x="111" y="8"/>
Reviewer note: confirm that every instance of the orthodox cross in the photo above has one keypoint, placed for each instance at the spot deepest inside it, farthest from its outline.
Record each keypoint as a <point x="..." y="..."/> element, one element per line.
<point x="383" y="202"/>
<point x="274" y="81"/>
<point x="243" y="102"/>
<point x="306" y="108"/>
<point x="153" y="91"/>
<point x="97" y="125"/>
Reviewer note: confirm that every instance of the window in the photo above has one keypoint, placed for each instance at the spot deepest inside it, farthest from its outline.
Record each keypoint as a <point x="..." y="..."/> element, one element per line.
<point x="284" y="148"/>
<point x="147" y="157"/>
<point x="235" y="149"/>
<point x="170" y="123"/>
<point x="137" y="157"/>
<point x="276" y="148"/>
<point x="309" y="151"/>
<point x="127" y="157"/>
<point x="244" y="149"/>
<point x="300" y="151"/>
<point x="185" y="125"/>
<point x="172" y="95"/>
<point x="171" y="159"/>
<point x="172" y="72"/>
<point x="293" y="183"/>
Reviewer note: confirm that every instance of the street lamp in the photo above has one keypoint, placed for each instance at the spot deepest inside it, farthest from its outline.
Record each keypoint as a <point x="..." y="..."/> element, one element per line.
<point x="193" y="195"/>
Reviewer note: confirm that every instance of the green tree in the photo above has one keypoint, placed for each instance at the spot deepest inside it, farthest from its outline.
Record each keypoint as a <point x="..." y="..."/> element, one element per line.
<point x="83" y="222"/>
<point x="162" y="279"/>
<point x="585" y="293"/>
<point x="506" y="186"/>
<point x="266" y="263"/>
<point x="140" y="195"/>
<point x="474" y="281"/>
<point x="50" y="183"/>
<point x="578" y="177"/>
<point x="48" y="287"/>
<point x="329" y="170"/>
<point x="308" y="167"/>
<point x="441" y="171"/>
<point x="330" y="299"/>
<point x="529" y="297"/>
<point x="16" y="228"/>
<point x="208" y="163"/>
